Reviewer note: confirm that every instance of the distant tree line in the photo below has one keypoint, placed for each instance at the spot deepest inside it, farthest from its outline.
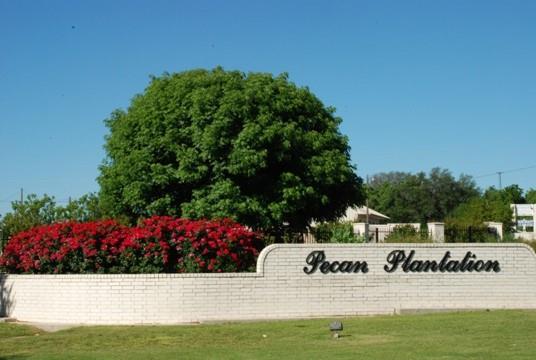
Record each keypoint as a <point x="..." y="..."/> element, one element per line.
<point x="404" y="197"/>
<point x="439" y="196"/>
<point x="420" y="197"/>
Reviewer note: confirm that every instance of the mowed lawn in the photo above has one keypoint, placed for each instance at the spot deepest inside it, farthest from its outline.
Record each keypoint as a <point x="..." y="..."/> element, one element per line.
<point x="466" y="335"/>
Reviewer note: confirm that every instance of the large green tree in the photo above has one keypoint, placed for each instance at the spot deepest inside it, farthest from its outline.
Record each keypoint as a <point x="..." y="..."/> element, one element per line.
<point x="420" y="197"/>
<point x="218" y="143"/>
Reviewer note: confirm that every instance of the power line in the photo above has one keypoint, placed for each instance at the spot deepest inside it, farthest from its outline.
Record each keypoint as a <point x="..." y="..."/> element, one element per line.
<point x="499" y="173"/>
<point x="65" y="201"/>
<point x="7" y="199"/>
<point x="505" y="171"/>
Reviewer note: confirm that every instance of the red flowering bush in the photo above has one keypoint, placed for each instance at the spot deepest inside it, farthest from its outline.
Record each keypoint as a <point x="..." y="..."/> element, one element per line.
<point x="158" y="244"/>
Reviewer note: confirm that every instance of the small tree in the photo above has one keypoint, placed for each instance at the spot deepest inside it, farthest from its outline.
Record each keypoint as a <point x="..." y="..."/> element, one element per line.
<point x="34" y="211"/>
<point x="493" y="205"/>
<point x="85" y="208"/>
<point x="31" y="212"/>
<point x="531" y="196"/>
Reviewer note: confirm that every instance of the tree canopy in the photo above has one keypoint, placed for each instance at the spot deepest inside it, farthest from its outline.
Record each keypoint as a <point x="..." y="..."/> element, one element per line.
<point x="407" y="197"/>
<point x="493" y="205"/>
<point x="530" y="196"/>
<point x="209" y="144"/>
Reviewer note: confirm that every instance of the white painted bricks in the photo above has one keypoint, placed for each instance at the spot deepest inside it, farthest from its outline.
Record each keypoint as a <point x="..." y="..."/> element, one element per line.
<point x="279" y="288"/>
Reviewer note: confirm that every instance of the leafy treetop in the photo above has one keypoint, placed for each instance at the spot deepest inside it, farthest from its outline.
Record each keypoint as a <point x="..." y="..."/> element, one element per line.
<point x="493" y="205"/>
<point x="35" y="210"/>
<point x="407" y="197"/>
<point x="210" y="144"/>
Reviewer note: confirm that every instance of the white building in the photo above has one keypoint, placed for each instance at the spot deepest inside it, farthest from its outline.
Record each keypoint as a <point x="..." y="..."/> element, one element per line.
<point x="524" y="218"/>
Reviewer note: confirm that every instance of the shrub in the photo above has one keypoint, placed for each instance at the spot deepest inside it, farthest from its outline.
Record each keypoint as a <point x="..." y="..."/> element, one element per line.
<point x="334" y="232"/>
<point x="469" y="234"/>
<point x="407" y="234"/>
<point x="158" y="244"/>
<point x="203" y="246"/>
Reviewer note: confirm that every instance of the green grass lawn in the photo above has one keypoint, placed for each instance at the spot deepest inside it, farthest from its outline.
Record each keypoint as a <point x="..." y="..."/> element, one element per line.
<point x="467" y="335"/>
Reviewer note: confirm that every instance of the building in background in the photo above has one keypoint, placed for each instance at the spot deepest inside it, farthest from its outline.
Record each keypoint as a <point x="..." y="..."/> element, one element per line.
<point x="524" y="218"/>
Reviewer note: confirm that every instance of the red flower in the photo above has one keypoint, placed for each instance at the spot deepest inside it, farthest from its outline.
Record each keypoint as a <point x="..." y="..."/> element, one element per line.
<point x="159" y="244"/>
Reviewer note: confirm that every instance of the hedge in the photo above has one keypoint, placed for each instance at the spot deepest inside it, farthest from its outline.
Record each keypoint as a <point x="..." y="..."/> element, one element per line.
<point x="157" y="245"/>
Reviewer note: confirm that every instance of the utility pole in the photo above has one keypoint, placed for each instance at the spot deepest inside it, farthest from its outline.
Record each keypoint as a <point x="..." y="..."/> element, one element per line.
<point x="367" y="219"/>
<point x="21" y="195"/>
<point x="500" y="179"/>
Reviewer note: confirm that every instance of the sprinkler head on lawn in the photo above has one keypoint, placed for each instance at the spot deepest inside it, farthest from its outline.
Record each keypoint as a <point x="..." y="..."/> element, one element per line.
<point x="335" y="328"/>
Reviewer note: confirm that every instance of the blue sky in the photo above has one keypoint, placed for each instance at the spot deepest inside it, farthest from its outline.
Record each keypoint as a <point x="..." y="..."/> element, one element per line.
<point x="419" y="84"/>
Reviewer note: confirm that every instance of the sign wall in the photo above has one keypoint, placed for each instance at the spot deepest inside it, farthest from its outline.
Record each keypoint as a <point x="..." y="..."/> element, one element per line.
<point x="291" y="281"/>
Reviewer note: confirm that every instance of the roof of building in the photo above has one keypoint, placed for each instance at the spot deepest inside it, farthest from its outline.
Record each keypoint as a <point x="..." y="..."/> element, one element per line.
<point x="358" y="214"/>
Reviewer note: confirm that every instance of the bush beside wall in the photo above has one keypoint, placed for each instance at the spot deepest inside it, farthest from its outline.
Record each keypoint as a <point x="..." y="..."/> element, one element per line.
<point x="157" y="245"/>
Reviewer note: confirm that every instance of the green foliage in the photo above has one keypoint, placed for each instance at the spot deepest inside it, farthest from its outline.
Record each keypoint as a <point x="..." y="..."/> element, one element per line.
<point x="335" y="232"/>
<point x="207" y="144"/>
<point x="530" y="196"/>
<point x="478" y="210"/>
<point x="493" y="205"/>
<point x="31" y="212"/>
<point x="85" y="208"/>
<point x="407" y="234"/>
<point x="34" y="211"/>
<point x="460" y="233"/>
<point x="406" y="197"/>
<point x="512" y="194"/>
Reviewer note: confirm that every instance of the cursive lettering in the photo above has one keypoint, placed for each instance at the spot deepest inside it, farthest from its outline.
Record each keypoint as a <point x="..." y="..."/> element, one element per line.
<point x="317" y="261"/>
<point x="469" y="263"/>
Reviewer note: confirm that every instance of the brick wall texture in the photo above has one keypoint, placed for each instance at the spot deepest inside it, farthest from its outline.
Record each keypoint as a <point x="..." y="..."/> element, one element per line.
<point x="279" y="289"/>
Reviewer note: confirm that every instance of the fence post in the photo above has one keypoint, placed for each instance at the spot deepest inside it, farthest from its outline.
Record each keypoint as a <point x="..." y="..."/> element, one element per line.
<point x="377" y="235"/>
<point x="497" y="226"/>
<point x="470" y="233"/>
<point x="436" y="230"/>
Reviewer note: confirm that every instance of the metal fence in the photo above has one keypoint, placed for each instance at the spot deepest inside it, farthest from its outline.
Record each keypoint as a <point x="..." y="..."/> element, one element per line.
<point x="471" y="234"/>
<point x="399" y="234"/>
<point x="376" y="234"/>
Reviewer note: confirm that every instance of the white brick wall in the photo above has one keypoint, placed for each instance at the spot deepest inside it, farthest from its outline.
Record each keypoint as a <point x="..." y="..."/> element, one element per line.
<point x="279" y="288"/>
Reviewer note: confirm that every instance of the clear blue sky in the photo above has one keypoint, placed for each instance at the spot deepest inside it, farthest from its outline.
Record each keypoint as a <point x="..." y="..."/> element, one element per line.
<point x="418" y="84"/>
